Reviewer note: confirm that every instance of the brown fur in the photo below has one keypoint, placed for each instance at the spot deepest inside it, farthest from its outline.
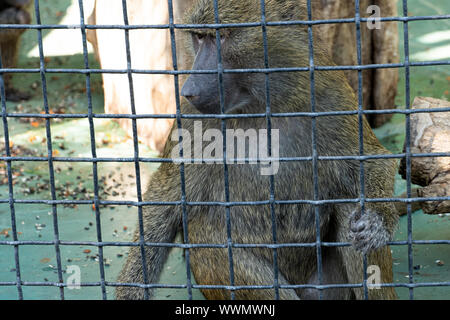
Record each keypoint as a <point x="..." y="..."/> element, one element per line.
<point x="336" y="136"/>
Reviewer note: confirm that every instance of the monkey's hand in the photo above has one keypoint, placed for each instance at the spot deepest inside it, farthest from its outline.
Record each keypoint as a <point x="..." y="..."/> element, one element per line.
<point x="367" y="231"/>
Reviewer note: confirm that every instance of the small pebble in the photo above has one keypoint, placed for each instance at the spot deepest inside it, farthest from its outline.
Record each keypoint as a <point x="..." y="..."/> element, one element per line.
<point x="39" y="226"/>
<point x="440" y="263"/>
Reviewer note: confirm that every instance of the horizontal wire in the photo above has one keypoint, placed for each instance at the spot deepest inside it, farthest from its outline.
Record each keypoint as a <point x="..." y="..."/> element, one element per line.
<point x="221" y="25"/>
<point x="213" y="71"/>
<point x="228" y="287"/>
<point x="206" y="245"/>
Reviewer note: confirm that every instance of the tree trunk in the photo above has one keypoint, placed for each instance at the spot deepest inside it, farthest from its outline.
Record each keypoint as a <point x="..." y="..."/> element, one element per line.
<point x="378" y="46"/>
<point x="150" y="50"/>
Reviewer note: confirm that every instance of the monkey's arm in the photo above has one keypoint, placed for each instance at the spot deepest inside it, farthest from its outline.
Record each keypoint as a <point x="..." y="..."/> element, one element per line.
<point x="374" y="228"/>
<point x="160" y="224"/>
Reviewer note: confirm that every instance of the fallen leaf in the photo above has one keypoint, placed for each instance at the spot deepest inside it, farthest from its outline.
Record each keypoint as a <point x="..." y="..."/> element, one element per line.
<point x="45" y="260"/>
<point x="34" y="124"/>
<point x="5" y="231"/>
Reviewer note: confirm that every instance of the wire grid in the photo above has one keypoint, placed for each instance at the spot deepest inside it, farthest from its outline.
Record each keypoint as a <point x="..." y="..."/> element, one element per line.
<point x="97" y="202"/>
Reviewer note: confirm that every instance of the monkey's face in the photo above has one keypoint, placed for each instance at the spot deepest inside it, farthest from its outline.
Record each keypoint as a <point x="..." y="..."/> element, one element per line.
<point x="214" y="92"/>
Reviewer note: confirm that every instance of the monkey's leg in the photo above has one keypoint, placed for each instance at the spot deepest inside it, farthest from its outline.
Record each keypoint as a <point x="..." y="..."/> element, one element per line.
<point x="369" y="232"/>
<point x="376" y="227"/>
<point x="160" y="226"/>
<point x="352" y="259"/>
<point x="333" y="272"/>
<point x="211" y="267"/>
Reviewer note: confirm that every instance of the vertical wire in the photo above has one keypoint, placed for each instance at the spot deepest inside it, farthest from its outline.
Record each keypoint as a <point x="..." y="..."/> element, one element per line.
<point x="93" y="150"/>
<point x="225" y="166"/>
<point x="361" y="133"/>
<point x="314" y="150"/>
<point x="49" y="149"/>
<point x="408" y="148"/>
<point x="136" y="150"/>
<point x="10" y="182"/>
<point x="269" y="147"/>
<point x="180" y="140"/>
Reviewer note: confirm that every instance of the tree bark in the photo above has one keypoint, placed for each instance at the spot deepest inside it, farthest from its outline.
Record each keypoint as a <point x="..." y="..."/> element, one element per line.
<point x="430" y="133"/>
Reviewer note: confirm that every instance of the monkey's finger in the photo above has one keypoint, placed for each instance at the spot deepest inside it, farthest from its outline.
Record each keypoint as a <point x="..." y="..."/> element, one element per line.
<point x="357" y="226"/>
<point x="356" y="215"/>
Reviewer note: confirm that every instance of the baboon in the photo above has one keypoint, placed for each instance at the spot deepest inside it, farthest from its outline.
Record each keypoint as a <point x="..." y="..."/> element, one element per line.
<point x="368" y="230"/>
<point x="12" y="12"/>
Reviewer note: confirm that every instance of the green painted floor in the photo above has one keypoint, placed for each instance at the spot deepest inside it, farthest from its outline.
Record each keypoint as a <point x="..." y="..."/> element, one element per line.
<point x="429" y="40"/>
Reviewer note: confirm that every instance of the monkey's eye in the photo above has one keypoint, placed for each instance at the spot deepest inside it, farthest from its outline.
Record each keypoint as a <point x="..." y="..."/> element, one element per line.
<point x="199" y="38"/>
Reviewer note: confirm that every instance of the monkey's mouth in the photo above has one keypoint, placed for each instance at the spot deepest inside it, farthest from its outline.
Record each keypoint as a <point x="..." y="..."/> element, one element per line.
<point x="239" y="107"/>
<point x="236" y="105"/>
<point x="238" y="101"/>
